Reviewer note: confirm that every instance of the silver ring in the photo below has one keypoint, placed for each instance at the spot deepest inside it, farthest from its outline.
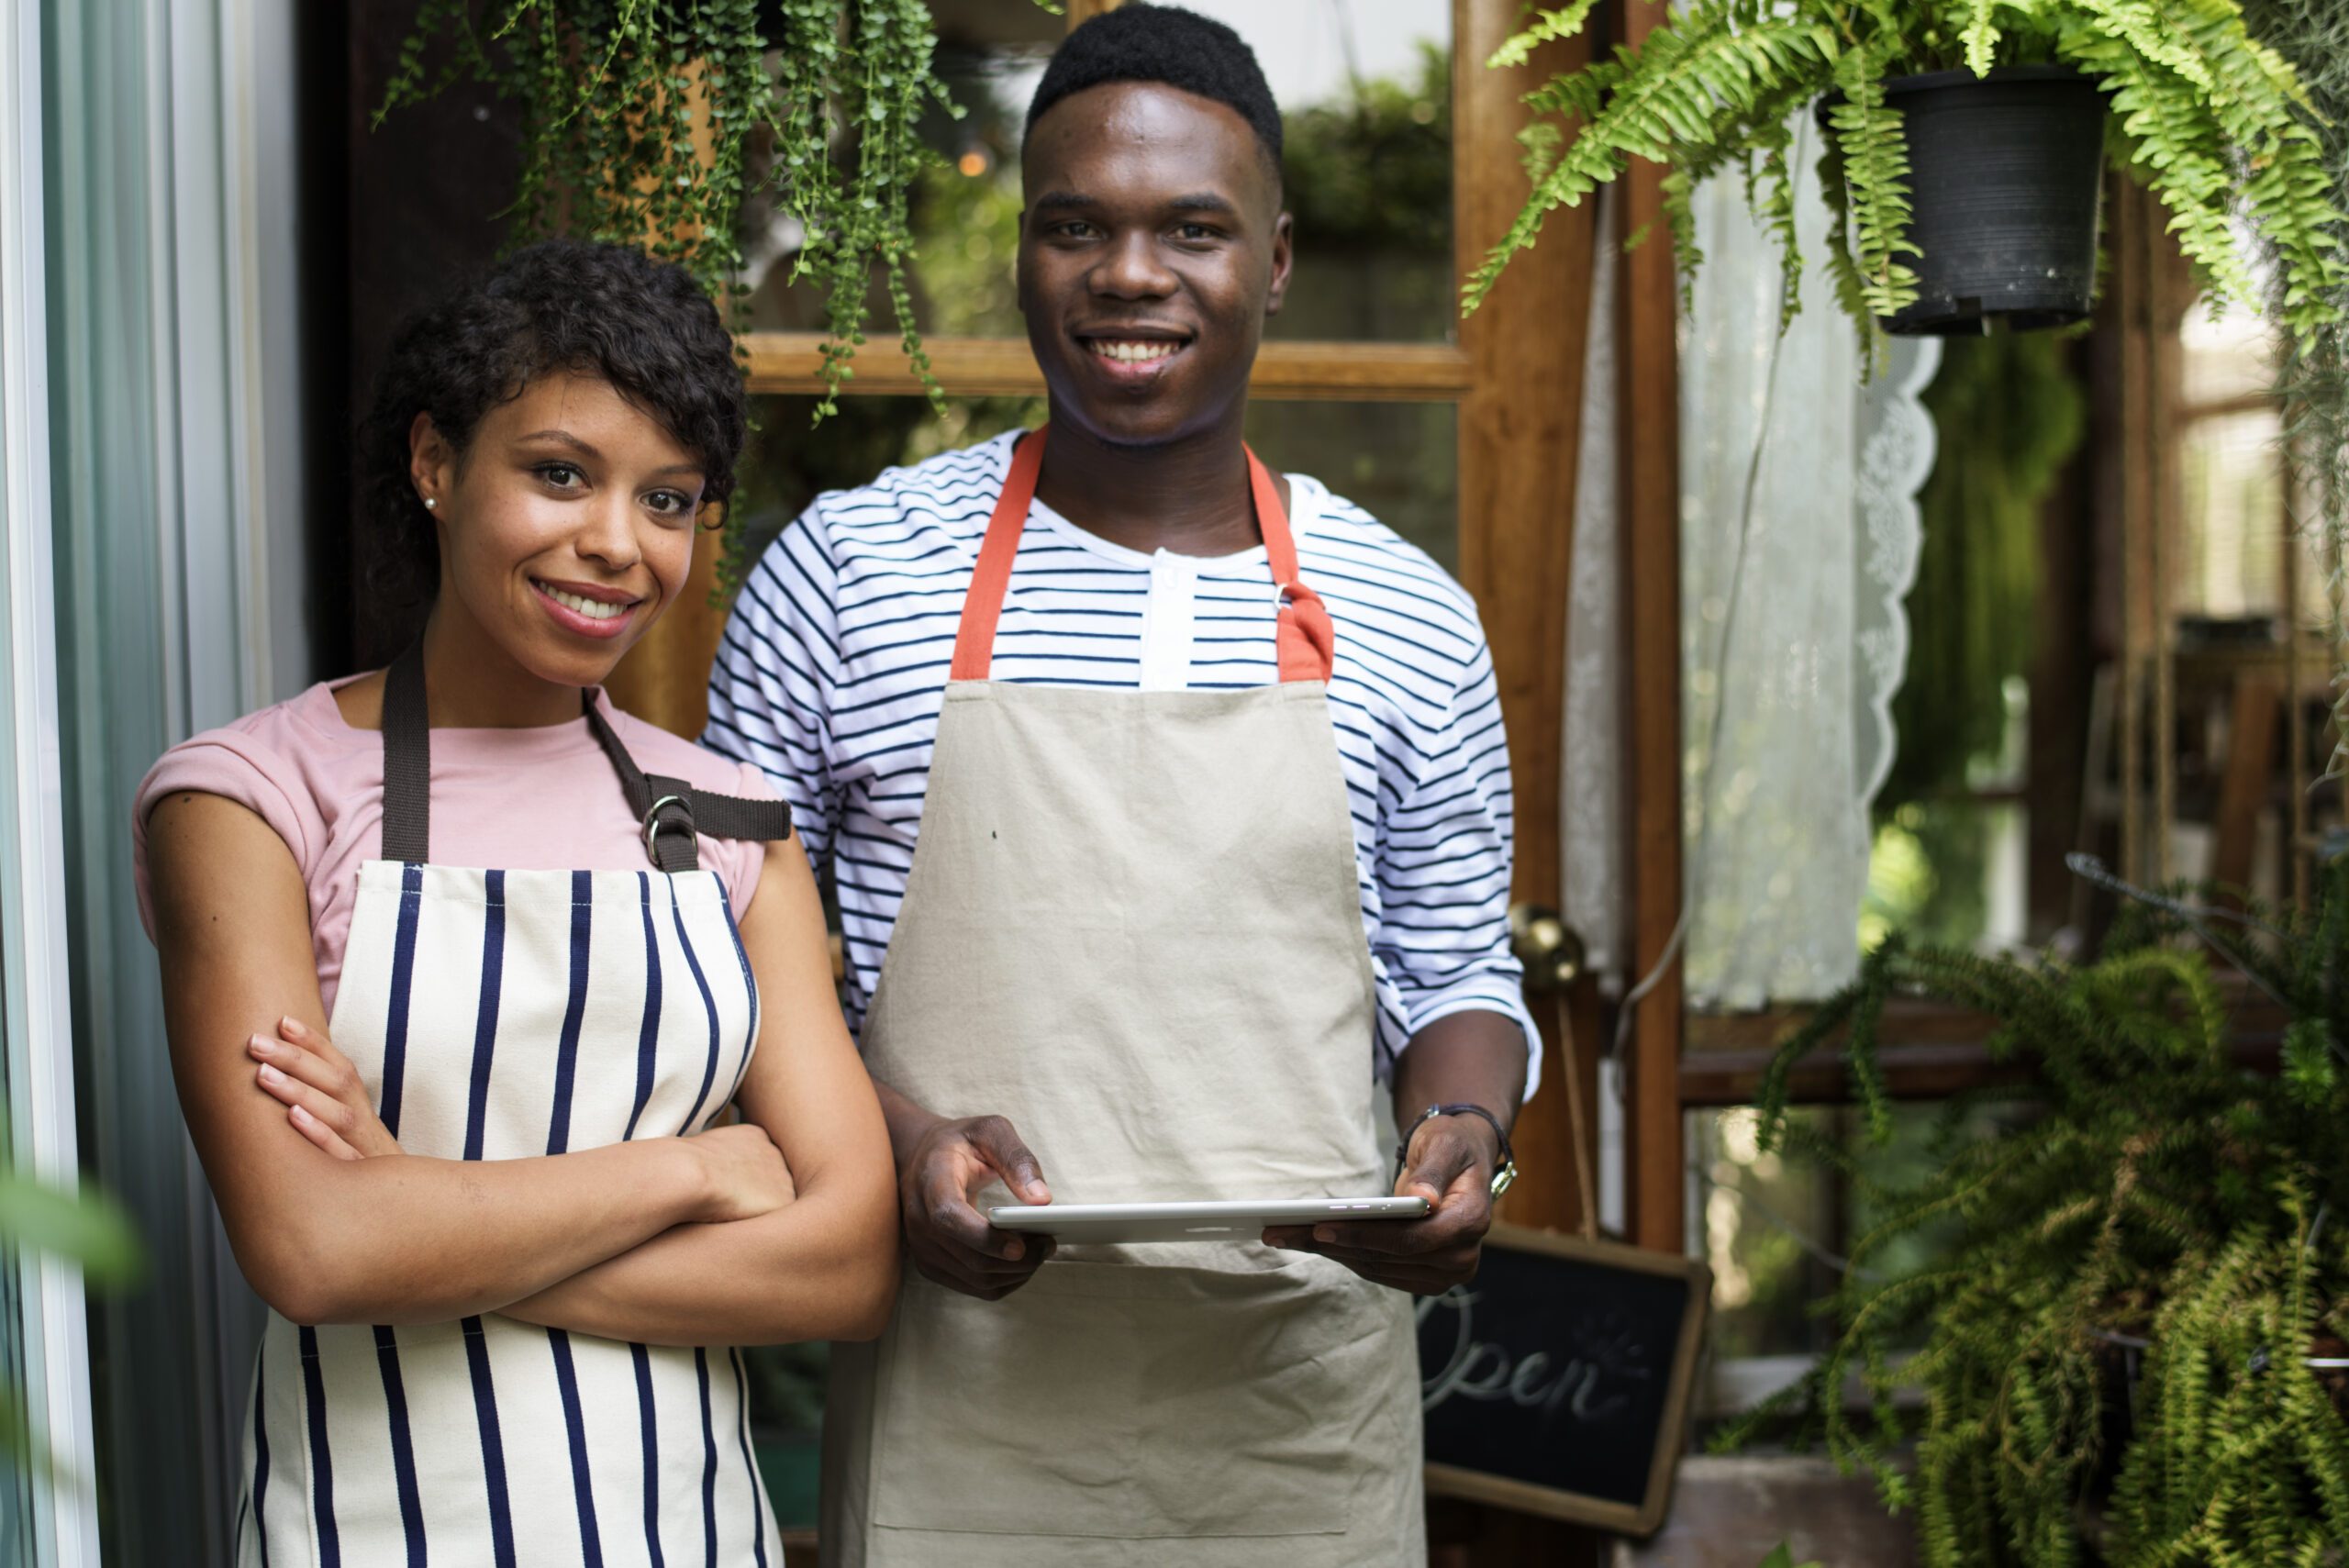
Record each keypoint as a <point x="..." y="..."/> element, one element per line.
<point x="653" y="822"/>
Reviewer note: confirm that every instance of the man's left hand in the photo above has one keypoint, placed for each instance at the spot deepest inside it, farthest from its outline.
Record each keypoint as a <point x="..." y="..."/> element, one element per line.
<point x="1450" y="1164"/>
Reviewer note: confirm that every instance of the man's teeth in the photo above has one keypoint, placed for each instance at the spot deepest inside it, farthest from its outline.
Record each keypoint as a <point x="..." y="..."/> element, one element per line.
<point x="1132" y="353"/>
<point x="592" y="609"/>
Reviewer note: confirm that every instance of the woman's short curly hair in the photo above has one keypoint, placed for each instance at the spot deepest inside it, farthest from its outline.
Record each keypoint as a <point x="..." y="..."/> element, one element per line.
<point x="559" y="306"/>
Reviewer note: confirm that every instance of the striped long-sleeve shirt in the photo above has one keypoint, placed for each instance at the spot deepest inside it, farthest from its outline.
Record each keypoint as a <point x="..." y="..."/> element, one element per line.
<point x="833" y="665"/>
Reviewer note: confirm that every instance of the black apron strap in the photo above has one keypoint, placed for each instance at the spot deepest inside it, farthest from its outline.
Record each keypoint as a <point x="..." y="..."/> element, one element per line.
<point x="671" y="810"/>
<point x="407" y="761"/>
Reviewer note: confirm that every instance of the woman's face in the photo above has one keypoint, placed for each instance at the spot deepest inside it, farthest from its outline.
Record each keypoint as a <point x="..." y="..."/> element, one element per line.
<point x="566" y="527"/>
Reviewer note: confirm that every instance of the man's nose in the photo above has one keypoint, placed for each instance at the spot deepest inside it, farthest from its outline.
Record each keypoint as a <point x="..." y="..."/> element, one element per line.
<point x="1131" y="269"/>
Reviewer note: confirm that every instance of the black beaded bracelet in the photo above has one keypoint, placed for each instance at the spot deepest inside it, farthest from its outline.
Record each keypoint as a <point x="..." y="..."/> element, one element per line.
<point x="1505" y="1171"/>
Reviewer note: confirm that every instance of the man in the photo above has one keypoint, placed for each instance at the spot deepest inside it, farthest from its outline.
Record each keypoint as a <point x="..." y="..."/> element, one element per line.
<point x="1207" y="775"/>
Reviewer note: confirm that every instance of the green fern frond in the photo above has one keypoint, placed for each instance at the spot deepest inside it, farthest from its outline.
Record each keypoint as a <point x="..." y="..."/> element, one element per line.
<point x="1981" y="36"/>
<point x="1669" y="95"/>
<point x="1876" y="175"/>
<point x="1548" y="24"/>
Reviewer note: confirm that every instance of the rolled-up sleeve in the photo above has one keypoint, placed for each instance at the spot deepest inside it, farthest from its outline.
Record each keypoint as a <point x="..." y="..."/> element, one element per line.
<point x="1443" y="869"/>
<point x="770" y="685"/>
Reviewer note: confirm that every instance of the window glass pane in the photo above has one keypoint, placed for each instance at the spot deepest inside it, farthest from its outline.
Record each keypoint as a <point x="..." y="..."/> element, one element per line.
<point x="1949" y="872"/>
<point x="2230" y="561"/>
<point x="965" y="212"/>
<point x="1777" y="1229"/>
<point x="1366" y="93"/>
<point x="2224" y="359"/>
<point x="1399" y="462"/>
<point x="790" y="460"/>
<point x="1365" y="87"/>
<point x="16" y="1479"/>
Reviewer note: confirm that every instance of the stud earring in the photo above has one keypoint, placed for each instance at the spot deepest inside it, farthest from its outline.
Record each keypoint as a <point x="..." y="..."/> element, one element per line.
<point x="432" y="503"/>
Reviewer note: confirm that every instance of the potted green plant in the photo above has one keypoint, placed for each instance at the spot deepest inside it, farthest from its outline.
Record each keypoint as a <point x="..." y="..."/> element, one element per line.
<point x="2130" y="1348"/>
<point x="1962" y="140"/>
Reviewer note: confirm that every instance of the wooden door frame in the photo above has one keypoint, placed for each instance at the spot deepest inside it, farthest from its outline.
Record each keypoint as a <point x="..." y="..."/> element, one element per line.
<point x="1648" y="428"/>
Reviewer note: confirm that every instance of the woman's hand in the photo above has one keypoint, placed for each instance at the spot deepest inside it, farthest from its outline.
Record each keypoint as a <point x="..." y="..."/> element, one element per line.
<point x="324" y="1096"/>
<point x="326" y="1099"/>
<point x="746" y="1173"/>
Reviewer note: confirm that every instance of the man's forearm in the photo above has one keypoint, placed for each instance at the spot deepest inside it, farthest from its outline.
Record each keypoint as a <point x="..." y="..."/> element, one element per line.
<point x="1473" y="1058"/>
<point x="908" y="1122"/>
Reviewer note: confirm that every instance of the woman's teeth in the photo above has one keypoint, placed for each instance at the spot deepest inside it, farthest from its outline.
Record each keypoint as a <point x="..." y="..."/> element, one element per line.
<point x="593" y="609"/>
<point x="1133" y="353"/>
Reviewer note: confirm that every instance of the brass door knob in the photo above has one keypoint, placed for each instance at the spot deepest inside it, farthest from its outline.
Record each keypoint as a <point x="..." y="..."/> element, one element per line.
<point x="1547" y="947"/>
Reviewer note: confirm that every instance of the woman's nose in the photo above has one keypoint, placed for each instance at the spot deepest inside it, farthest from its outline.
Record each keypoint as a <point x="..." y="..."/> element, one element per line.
<point x="609" y="532"/>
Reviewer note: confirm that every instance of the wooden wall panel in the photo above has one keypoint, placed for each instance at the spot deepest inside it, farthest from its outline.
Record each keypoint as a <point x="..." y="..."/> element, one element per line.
<point x="1520" y="443"/>
<point x="1649" y="396"/>
<point x="1005" y="367"/>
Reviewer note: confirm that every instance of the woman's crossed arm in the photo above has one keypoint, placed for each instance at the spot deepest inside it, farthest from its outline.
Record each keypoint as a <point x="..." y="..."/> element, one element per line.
<point x="408" y="1238"/>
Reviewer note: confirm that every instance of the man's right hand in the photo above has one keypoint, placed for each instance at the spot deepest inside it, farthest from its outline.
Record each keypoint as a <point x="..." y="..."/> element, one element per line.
<point x="950" y="1241"/>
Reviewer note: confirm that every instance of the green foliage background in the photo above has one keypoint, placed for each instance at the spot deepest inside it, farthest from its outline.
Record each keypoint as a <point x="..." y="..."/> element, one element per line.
<point x="2153" y="1193"/>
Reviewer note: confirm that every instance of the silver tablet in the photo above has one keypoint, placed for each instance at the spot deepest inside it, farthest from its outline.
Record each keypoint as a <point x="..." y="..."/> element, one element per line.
<point x="1242" y="1219"/>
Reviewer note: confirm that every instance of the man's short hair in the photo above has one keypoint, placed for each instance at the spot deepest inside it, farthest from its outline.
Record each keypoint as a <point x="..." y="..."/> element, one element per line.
<point x="1165" y="44"/>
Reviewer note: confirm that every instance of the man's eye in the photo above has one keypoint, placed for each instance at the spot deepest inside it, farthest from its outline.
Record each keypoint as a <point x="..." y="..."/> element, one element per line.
<point x="1195" y="231"/>
<point x="1078" y="230"/>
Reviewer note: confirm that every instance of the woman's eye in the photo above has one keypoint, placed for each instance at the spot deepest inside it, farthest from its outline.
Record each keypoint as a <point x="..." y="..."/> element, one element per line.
<point x="670" y="503"/>
<point x="561" y="475"/>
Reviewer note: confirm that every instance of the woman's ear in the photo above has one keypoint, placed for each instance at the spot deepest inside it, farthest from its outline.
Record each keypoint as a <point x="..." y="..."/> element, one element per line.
<point x="431" y="462"/>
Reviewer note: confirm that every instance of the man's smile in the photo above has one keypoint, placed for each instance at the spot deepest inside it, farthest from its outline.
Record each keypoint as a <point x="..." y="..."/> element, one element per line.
<point x="1135" y="355"/>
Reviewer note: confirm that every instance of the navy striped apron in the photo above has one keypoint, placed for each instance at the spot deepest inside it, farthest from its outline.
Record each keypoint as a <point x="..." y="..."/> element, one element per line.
<point x="498" y="1015"/>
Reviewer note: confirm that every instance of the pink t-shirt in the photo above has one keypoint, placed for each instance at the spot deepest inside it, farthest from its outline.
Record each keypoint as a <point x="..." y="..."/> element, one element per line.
<point x="537" y="799"/>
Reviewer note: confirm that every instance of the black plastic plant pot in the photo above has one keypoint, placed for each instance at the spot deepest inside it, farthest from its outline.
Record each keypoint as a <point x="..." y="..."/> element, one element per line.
<point x="2005" y="175"/>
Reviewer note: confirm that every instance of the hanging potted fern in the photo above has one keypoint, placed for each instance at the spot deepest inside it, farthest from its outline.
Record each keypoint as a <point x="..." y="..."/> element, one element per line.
<point x="1963" y="142"/>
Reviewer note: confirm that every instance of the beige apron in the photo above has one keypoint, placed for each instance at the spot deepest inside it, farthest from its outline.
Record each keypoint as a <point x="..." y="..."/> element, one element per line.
<point x="1134" y="926"/>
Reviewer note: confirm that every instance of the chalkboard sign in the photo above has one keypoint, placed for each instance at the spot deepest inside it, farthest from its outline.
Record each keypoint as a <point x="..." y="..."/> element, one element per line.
<point x="1558" y="1382"/>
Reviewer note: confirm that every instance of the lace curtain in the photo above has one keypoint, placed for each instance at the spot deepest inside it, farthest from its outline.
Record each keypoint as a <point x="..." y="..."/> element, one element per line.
<point x="1793" y="460"/>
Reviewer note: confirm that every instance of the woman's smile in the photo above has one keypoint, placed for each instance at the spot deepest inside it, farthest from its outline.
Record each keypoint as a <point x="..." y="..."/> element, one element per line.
<point x="586" y="609"/>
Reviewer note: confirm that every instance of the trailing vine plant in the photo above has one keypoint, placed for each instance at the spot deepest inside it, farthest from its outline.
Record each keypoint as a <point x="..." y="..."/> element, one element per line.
<point x="2212" y="121"/>
<point x="2129" y="1349"/>
<point x="646" y="122"/>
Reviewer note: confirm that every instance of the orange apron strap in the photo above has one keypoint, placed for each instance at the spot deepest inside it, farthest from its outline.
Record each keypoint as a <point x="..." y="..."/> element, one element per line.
<point x="1304" y="641"/>
<point x="982" y="606"/>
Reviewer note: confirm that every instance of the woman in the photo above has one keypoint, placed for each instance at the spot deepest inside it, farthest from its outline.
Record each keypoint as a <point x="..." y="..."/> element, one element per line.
<point x="503" y="1219"/>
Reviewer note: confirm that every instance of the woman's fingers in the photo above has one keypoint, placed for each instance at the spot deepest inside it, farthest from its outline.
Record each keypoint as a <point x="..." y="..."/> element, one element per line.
<point x="318" y="1132"/>
<point x="295" y="1031"/>
<point x="335" y="1078"/>
<point x="320" y="1106"/>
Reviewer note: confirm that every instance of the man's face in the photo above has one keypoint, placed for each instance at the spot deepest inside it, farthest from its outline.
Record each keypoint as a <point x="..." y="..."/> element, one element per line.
<point x="1152" y="249"/>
